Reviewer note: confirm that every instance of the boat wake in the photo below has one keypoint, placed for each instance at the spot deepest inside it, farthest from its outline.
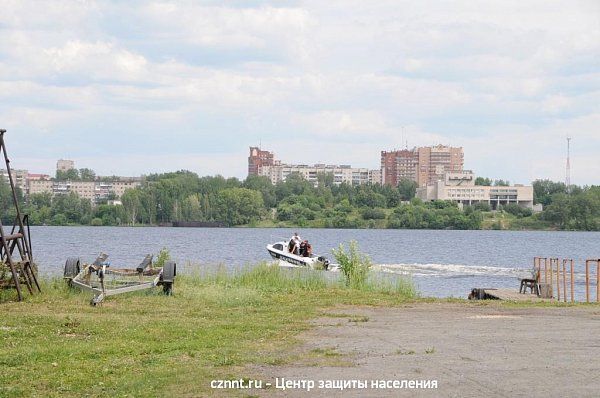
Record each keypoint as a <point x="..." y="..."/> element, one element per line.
<point x="452" y="270"/>
<point x="461" y="271"/>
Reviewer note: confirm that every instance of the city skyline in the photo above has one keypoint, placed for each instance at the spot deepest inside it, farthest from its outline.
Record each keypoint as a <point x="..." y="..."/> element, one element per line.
<point x="50" y="173"/>
<point x="131" y="90"/>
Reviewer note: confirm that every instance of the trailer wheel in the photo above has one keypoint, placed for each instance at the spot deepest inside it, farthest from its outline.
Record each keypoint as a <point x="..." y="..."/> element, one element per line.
<point x="168" y="288"/>
<point x="169" y="272"/>
<point x="72" y="268"/>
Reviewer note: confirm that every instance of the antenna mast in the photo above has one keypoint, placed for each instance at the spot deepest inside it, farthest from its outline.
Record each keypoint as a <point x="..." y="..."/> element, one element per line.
<point x="568" y="174"/>
<point x="401" y="136"/>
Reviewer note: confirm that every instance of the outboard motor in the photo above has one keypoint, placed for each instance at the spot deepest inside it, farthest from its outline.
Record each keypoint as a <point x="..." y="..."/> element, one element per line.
<point x="324" y="261"/>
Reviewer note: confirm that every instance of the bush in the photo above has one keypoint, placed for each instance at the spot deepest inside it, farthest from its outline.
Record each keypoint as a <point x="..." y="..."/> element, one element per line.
<point x="372" y="214"/>
<point x="96" y="222"/>
<point x="345" y="222"/>
<point x="59" y="219"/>
<point x="354" y="265"/>
<point x="163" y="256"/>
<point x="497" y="225"/>
<point x="482" y="206"/>
<point x="516" y="210"/>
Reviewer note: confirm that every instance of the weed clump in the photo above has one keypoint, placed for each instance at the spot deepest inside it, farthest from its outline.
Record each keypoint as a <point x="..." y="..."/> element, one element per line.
<point x="163" y="256"/>
<point x="353" y="264"/>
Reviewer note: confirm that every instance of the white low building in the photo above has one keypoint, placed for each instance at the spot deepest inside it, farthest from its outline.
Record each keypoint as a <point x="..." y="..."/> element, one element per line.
<point x="460" y="187"/>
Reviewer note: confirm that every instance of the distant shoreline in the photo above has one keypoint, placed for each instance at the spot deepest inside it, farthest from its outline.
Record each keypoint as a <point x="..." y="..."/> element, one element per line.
<point x="312" y="227"/>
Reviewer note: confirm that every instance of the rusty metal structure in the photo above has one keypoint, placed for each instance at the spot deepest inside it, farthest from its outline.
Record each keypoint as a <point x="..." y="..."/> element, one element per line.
<point x="15" y="250"/>
<point x="559" y="275"/>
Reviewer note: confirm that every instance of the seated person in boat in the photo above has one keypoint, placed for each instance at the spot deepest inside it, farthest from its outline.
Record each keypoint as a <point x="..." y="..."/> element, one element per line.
<point x="294" y="245"/>
<point x="305" y="249"/>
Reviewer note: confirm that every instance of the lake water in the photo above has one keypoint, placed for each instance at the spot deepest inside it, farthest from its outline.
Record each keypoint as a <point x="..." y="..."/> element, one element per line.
<point x="441" y="263"/>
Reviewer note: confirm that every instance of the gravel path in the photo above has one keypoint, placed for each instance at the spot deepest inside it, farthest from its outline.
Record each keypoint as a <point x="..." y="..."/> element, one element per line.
<point x="471" y="350"/>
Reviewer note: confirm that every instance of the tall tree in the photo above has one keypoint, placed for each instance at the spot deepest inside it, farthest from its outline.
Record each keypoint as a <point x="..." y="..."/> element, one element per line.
<point x="481" y="181"/>
<point x="237" y="206"/>
<point x="407" y="189"/>
<point x="543" y="190"/>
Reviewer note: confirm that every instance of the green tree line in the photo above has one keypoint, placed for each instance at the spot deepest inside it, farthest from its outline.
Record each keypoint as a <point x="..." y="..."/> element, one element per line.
<point x="184" y="196"/>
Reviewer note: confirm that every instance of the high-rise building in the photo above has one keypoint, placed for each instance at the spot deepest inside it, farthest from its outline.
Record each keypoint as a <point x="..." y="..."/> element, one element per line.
<point x="424" y="165"/>
<point x="65" y="165"/>
<point x="399" y="165"/>
<point x="259" y="158"/>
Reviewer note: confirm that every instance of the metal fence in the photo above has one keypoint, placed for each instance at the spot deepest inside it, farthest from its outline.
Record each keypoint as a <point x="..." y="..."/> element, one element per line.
<point x="559" y="274"/>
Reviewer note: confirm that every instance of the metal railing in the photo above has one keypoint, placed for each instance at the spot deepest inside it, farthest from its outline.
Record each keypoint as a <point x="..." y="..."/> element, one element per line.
<point x="560" y="275"/>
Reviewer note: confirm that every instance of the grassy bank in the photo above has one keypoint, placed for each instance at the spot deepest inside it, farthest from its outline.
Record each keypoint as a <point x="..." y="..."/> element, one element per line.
<point x="491" y="220"/>
<point x="56" y="344"/>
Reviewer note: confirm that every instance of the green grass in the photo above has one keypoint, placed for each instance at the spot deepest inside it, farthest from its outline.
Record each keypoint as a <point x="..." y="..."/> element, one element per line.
<point x="145" y="343"/>
<point x="507" y="221"/>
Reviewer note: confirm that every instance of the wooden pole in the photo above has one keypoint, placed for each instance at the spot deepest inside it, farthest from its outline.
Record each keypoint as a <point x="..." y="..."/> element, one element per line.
<point x="546" y="270"/>
<point x="587" y="281"/>
<point x="572" y="283"/>
<point x="557" y="279"/>
<point x="550" y="278"/>
<point x="564" y="270"/>
<point x="598" y="281"/>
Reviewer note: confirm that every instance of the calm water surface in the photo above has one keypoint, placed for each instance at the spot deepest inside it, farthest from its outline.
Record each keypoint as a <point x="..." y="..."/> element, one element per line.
<point x="442" y="263"/>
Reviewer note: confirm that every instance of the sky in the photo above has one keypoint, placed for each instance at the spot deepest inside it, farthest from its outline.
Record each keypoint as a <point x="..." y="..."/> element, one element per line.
<point x="136" y="87"/>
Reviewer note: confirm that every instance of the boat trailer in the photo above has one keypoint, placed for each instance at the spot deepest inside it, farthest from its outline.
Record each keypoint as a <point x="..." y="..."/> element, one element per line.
<point x="103" y="280"/>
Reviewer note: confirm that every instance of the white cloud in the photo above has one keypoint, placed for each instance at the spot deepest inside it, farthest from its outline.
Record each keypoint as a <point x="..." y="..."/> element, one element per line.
<point x="341" y="77"/>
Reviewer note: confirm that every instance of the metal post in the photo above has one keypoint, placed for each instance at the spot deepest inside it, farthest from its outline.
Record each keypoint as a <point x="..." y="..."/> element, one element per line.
<point x="564" y="280"/>
<point x="587" y="281"/>
<point x="598" y="281"/>
<point x="572" y="283"/>
<point x="557" y="279"/>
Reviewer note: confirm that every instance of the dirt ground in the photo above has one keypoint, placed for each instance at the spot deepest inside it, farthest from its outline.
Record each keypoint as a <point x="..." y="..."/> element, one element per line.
<point x="471" y="350"/>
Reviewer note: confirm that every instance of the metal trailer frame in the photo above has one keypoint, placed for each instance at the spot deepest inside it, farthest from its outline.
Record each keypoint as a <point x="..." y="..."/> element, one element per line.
<point x="93" y="277"/>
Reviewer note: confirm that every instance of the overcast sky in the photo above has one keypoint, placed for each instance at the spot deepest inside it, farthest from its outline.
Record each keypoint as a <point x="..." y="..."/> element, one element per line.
<point x="136" y="87"/>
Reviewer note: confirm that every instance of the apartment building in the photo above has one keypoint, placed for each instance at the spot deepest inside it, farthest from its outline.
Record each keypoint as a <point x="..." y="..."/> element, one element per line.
<point x="40" y="186"/>
<point x="263" y="163"/>
<point x="375" y="177"/>
<point x="65" y="165"/>
<point x="19" y="178"/>
<point x="424" y="165"/>
<point x="259" y="158"/>
<point x="460" y="187"/>
<point x="92" y="190"/>
<point x="341" y="173"/>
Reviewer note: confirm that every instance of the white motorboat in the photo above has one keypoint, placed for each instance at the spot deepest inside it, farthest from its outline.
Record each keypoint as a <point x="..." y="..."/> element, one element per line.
<point x="279" y="251"/>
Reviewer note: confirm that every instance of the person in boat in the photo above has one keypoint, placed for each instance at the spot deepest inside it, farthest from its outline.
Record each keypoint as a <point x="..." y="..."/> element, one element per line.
<point x="302" y="251"/>
<point x="294" y="245"/>
<point x="305" y="249"/>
